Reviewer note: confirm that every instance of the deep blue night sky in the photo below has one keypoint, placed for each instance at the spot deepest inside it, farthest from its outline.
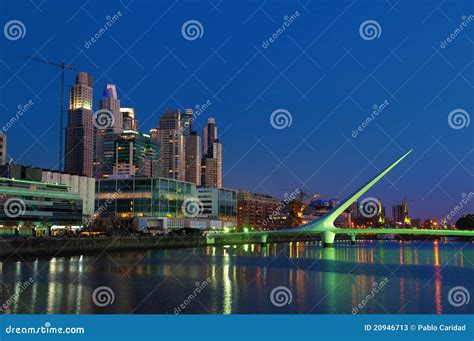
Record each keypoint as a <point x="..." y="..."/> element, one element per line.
<point x="319" y="69"/>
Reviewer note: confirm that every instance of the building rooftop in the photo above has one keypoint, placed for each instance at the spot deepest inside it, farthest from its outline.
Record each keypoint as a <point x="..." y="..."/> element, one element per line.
<point x="44" y="184"/>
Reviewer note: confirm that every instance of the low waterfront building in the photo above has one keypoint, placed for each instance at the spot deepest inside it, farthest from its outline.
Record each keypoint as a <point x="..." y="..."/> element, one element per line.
<point x="81" y="185"/>
<point x="78" y="184"/>
<point x="120" y="201"/>
<point x="219" y="203"/>
<point x="33" y="208"/>
<point x="257" y="211"/>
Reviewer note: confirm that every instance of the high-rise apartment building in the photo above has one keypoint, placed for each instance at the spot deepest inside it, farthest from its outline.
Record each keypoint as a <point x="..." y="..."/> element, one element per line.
<point x="209" y="134"/>
<point x="192" y="143"/>
<point x="212" y="167"/>
<point x="211" y="174"/>
<point x="109" y="124"/>
<point x="136" y="154"/>
<point x="79" y="151"/>
<point x="129" y="122"/>
<point x="187" y="122"/>
<point x="171" y="141"/>
<point x="3" y="148"/>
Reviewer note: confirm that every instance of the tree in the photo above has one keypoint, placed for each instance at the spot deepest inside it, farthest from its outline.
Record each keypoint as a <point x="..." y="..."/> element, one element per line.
<point x="466" y="222"/>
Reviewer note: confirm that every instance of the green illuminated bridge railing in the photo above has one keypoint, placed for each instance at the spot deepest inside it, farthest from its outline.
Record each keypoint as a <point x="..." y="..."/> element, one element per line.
<point x="355" y="231"/>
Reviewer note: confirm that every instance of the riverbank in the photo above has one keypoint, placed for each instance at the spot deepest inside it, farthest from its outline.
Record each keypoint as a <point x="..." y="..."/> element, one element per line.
<point x="25" y="247"/>
<point x="59" y="246"/>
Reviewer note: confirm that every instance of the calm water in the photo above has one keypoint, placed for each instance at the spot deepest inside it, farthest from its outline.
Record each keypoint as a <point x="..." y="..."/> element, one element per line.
<point x="419" y="278"/>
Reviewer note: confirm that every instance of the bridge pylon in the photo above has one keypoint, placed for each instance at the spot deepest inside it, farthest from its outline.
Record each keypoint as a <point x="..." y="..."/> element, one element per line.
<point x="325" y="224"/>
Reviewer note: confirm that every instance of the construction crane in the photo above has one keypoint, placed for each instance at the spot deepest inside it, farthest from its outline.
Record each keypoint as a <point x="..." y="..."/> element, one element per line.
<point x="63" y="67"/>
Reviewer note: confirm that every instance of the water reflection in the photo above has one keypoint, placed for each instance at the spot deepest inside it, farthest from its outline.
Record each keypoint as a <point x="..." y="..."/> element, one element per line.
<point x="322" y="280"/>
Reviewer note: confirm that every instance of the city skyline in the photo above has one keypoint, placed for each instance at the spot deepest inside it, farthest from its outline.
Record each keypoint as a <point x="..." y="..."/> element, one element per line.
<point x="264" y="159"/>
<point x="237" y="160"/>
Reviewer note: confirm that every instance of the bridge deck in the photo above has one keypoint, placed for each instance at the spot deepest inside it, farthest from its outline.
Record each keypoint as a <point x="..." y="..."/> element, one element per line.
<point x="453" y="233"/>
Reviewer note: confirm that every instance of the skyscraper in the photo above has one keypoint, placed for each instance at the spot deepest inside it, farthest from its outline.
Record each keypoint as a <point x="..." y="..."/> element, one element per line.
<point x="187" y="122"/>
<point x="209" y="134"/>
<point x="79" y="151"/>
<point x="211" y="175"/>
<point x="129" y="122"/>
<point x="108" y="121"/>
<point x="136" y="154"/>
<point x="171" y="141"/>
<point x="3" y="148"/>
<point x="192" y="144"/>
